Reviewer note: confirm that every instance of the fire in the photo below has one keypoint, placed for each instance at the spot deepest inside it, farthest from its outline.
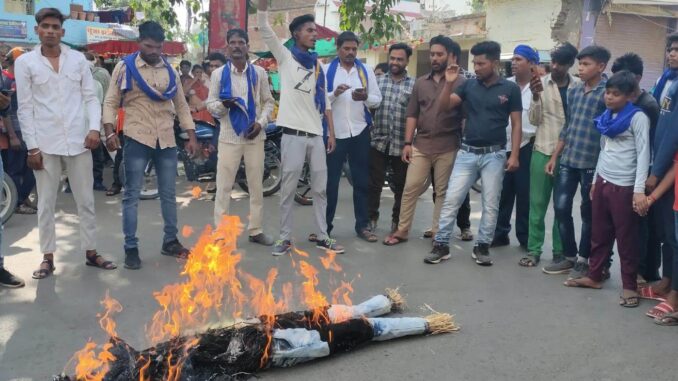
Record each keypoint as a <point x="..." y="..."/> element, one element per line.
<point x="186" y="231"/>
<point x="213" y="286"/>
<point x="196" y="192"/>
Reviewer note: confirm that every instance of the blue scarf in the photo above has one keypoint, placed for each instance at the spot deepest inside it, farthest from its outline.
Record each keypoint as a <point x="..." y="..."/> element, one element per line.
<point x="332" y="71"/>
<point x="612" y="127"/>
<point x="244" y="115"/>
<point x="133" y="73"/>
<point x="669" y="75"/>
<point x="309" y="60"/>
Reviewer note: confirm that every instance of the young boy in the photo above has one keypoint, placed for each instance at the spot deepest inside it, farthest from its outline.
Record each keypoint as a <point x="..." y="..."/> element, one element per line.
<point x="618" y="192"/>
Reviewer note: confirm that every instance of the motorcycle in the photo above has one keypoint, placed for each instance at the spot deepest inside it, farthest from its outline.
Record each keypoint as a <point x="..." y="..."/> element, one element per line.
<point x="8" y="199"/>
<point x="203" y="166"/>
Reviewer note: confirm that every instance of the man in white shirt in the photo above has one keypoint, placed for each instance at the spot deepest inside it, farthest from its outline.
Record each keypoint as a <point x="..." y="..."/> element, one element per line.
<point x="241" y="137"/>
<point x="60" y="118"/>
<point x="516" y="187"/>
<point x="352" y="89"/>
<point x="304" y="106"/>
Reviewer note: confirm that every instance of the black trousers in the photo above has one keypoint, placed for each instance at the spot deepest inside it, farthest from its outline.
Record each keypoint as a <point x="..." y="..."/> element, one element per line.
<point x="379" y="161"/>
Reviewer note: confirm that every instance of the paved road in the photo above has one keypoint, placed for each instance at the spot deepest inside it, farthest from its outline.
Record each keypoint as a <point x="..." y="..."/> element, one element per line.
<point x="517" y="324"/>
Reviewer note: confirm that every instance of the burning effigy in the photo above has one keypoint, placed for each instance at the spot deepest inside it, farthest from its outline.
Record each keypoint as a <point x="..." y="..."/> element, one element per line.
<point x="184" y="347"/>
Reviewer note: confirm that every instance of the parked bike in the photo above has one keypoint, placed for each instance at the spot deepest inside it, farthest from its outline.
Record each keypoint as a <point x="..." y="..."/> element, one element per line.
<point x="9" y="199"/>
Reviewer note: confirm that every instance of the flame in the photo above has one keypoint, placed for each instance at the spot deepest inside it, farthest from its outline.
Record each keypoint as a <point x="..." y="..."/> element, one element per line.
<point x="196" y="192"/>
<point x="187" y="231"/>
<point x="213" y="284"/>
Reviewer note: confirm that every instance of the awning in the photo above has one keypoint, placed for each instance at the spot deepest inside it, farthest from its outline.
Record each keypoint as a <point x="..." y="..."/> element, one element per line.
<point x="170" y="48"/>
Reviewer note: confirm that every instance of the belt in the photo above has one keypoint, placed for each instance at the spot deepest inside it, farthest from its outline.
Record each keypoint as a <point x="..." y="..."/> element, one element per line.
<point x="292" y="131"/>
<point x="482" y="150"/>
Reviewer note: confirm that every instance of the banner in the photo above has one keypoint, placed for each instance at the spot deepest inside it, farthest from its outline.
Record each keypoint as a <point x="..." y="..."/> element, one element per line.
<point x="13" y="29"/>
<point x="225" y="15"/>
<point x="98" y="34"/>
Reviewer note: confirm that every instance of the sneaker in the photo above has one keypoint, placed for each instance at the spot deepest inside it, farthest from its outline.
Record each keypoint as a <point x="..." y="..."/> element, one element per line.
<point x="466" y="235"/>
<point x="559" y="265"/>
<point x="262" y="239"/>
<point x="282" y="247"/>
<point x="174" y="249"/>
<point x="500" y="241"/>
<point x="132" y="260"/>
<point x="481" y="254"/>
<point x="580" y="270"/>
<point x="330" y="244"/>
<point x="439" y="253"/>
<point x="9" y="280"/>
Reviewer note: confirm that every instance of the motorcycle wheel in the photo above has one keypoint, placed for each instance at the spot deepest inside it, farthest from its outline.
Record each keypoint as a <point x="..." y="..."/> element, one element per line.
<point x="9" y="200"/>
<point x="149" y="187"/>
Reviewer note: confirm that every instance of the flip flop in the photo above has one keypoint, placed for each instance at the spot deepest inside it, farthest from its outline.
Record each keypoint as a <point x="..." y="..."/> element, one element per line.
<point x="44" y="273"/>
<point x="650" y="293"/>
<point x="398" y="240"/>
<point x="529" y="261"/>
<point x="368" y="236"/>
<point x="630" y="301"/>
<point x="660" y="310"/>
<point x="113" y="190"/>
<point x="668" y="320"/>
<point x="577" y="283"/>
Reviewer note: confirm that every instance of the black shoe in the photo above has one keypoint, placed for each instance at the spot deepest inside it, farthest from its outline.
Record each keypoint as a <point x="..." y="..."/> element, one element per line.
<point x="99" y="186"/>
<point x="481" y="254"/>
<point x="132" y="260"/>
<point x="175" y="249"/>
<point x="9" y="280"/>
<point x="500" y="241"/>
<point x="439" y="253"/>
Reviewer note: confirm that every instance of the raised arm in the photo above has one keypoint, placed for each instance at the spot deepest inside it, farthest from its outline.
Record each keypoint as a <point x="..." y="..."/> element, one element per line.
<point x="447" y="100"/>
<point x="280" y="52"/>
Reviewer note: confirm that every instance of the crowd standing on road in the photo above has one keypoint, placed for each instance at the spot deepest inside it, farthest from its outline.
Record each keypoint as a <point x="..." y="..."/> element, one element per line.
<point x="529" y="138"/>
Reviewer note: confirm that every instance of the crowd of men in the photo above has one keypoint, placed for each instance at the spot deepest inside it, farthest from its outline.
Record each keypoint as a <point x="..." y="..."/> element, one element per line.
<point x="528" y="138"/>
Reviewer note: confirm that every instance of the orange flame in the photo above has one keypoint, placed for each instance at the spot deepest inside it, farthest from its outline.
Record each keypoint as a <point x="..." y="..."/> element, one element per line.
<point x="196" y="192"/>
<point x="186" y="231"/>
<point x="329" y="262"/>
<point x="313" y="298"/>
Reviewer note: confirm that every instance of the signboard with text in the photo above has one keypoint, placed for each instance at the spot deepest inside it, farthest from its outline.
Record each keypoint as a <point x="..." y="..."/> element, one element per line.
<point x="13" y="29"/>
<point x="225" y="15"/>
<point x="98" y="34"/>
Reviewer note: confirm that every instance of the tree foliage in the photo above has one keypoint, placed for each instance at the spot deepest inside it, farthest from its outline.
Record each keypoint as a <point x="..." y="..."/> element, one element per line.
<point x="477" y="5"/>
<point x="381" y="25"/>
<point x="161" y="11"/>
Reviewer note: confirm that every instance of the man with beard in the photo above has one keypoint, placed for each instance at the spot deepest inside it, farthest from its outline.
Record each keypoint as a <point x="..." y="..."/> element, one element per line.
<point x="148" y="89"/>
<point x="241" y="100"/>
<point x="437" y="138"/>
<point x="489" y="100"/>
<point x="388" y="134"/>
<point x="352" y="89"/>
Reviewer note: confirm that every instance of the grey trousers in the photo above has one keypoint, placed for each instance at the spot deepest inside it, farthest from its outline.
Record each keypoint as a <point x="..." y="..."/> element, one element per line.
<point x="295" y="151"/>
<point x="79" y="169"/>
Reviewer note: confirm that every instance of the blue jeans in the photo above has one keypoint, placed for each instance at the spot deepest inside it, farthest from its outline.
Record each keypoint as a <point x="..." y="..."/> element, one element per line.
<point x="516" y="190"/>
<point x="467" y="169"/>
<point x="165" y="163"/>
<point x="357" y="149"/>
<point x="565" y="189"/>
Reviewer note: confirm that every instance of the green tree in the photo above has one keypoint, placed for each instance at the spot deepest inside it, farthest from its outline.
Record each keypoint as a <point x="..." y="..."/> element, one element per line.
<point x="477" y="5"/>
<point x="161" y="11"/>
<point x="384" y="25"/>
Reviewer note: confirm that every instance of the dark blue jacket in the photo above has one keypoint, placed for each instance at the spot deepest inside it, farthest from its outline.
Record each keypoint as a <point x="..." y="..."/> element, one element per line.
<point x="665" y="143"/>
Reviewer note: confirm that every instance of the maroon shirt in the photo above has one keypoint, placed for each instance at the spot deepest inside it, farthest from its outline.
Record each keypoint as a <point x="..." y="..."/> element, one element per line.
<point x="437" y="132"/>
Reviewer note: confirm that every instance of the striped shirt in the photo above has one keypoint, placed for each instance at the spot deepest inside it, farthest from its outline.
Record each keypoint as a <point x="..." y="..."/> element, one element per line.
<point x="548" y="115"/>
<point x="582" y="139"/>
<point x="262" y="98"/>
<point x="388" y="132"/>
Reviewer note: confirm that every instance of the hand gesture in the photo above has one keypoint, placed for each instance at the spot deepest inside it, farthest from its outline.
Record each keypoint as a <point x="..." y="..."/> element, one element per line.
<point x="407" y="153"/>
<point x="340" y="90"/>
<point x="535" y="85"/>
<point x="452" y="72"/>
<point x="92" y="140"/>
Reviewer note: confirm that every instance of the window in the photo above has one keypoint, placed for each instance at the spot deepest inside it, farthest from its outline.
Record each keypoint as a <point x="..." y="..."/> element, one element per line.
<point x="26" y="7"/>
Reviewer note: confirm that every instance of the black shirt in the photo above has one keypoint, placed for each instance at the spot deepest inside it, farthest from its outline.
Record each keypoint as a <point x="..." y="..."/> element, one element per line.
<point x="563" y="96"/>
<point x="650" y="107"/>
<point x="488" y="110"/>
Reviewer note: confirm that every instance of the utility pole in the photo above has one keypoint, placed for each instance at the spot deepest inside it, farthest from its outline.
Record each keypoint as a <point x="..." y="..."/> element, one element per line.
<point x="325" y="14"/>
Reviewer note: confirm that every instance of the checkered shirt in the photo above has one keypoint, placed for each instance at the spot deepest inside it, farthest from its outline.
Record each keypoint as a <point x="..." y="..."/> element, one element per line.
<point x="582" y="139"/>
<point x="388" y="132"/>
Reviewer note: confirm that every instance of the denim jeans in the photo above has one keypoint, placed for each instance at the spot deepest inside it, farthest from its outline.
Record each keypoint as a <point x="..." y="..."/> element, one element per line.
<point x="357" y="150"/>
<point x="165" y="163"/>
<point x="467" y="169"/>
<point x="565" y="189"/>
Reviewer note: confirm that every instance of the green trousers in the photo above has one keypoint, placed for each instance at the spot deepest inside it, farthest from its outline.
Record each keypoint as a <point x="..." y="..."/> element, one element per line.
<point x="541" y="190"/>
